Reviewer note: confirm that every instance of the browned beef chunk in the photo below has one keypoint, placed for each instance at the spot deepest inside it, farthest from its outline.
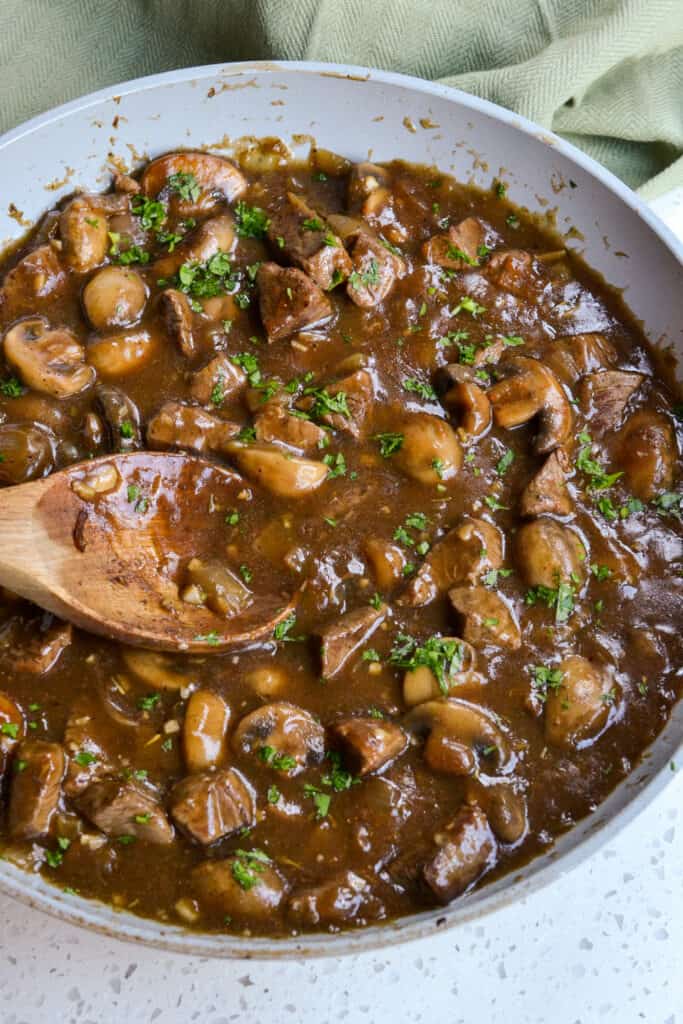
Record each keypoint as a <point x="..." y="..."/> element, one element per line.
<point x="470" y="549"/>
<point x="342" y="638"/>
<point x="174" y="307"/>
<point x="462" y="246"/>
<point x="124" y="808"/>
<point x="38" y="769"/>
<point x="276" y="424"/>
<point x="546" y="492"/>
<point x="649" y="453"/>
<point x="246" y="888"/>
<point x="514" y="272"/>
<point x="604" y="397"/>
<point x="209" y="806"/>
<point x="289" y="301"/>
<point x="42" y="652"/>
<point x="369" y="744"/>
<point x="468" y="852"/>
<point x="347" y="897"/>
<point x="304" y="238"/>
<point x="219" y="381"/>
<point x="87" y="742"/>
<point x="486" y="617"/>
<point x="574" y="356"/>
<point x="187" y="427"/>
<point x="375" y="271"/>
<point x="358" y="396"/>
<point x="281" y="735"/>
<point x="37" y="274"/>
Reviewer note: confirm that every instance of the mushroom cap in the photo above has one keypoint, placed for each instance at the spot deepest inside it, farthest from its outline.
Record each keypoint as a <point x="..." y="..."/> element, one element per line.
<point x="48" y="359"/>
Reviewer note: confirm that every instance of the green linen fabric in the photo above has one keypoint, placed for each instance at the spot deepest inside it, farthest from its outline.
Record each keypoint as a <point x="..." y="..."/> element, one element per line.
<point x="606" y="74"/>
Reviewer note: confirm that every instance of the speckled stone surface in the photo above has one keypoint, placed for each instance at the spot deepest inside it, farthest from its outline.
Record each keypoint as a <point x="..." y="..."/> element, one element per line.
<point x="603" y="944"/>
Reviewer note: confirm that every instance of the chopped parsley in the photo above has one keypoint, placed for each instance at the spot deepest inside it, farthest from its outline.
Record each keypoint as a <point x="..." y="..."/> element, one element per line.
<point x="469" y="305"/>
<point x="312" y="224"/>
<point x="546" y="679"/>
<point x="599" y="480"/>
<point x="561" y="598"/>
<point x="10" y="729"/>
<point x="454" y="253"/>
<point x="321" y="800"/>
<point x="151" y="212"/>
<point x="367" y="277"/>
<point x="211" y="638"/>
<point x="247" y="866"/>
<point x="273" y="794"/>
<point x="85" y="758"/>
<point x="12" y="388"/>
<point x="453" y="338"/>
<point x="126" y="429"/>
<point x="418" y="387"/>
<point x="205" y="280"/>
<point x="442" y="656"/>
<point x="337" y="778"/>
<point x="505" y="462"/>
<point x="601" y="572"/>
<point x="184" y="184"/>
<point x="280" y="762"/>
<point x="494" y="504"/>
<point x="389" y="444"/>
<point x="336" y="465"/>
<point x="370" y="654"/>
<point x="149" y="703"/>
<point x="490" y="578"/>
<point x="325" y="404"/>
<point x="669" y="503"/>
<point x="282" y="631"/>
<point x="252" y="221"/>
<point x="512" y="340"/>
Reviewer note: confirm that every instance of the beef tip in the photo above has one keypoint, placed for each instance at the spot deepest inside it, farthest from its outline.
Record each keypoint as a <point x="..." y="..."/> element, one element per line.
<point x="247" y="887"/>
<point x="283" y="736"/>
<point x="40" y="654"/>
<point x="358" y="392"/>
<point x="176" y="315"/>
<point x="546" y="492"/>
<point x="469" y="850"/>
<point x="579" y="354"/>
<point x="36" y="788"/>
<point x="304" y="238"/>
<point x="462" y="556"/>
<point x="462" y="246"/>
<point x="375" y="271"/>
<point x="124" y="183"/>
<point x="289" y="301"/>
<point x="124" y="808"/>
<point x="648" y="453"/>
<point x="486" y="617"/>
<point x="121" y="416"/>
<point x="36" y="275"/>
<point x="87" y="742"/>
<point x="343" y="638"/>
<point x="514" y="271"/>
<point x="343" y="899"/>
<point x="369" y="744"/>
<point x="277" y="425"/>
<point x="604" y="397"/>
<point x="209" y="806"/>
<point x="219" y="381"/>
<point x="189" y="428"/>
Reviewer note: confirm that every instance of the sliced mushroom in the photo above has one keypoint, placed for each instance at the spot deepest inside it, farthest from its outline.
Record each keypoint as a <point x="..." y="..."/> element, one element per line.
<point x="217" y="178"/>
<point x="375" y="271"/>
<point x="205" y="729"/>
<point x="468" y="850"/>
<point x="307" y="240"/>
<point x="283" y="474"/>
<point x="463" y="555"/>
<point x="471" y="405"/>
<point x="49" y="359"/>
<point x="122" y="417"/>
<point x="571" y="358"/>
<point x="218" y="382"/>
<point x="83" y="229"/>
<point x="117" y="355"/>
<point x="578" y="709"/>
<point x="36" y="789"/>
<point x="546" y="492"/>
<point x="220" y="893"/>
<point x="26" y="452"/>
<point x="286" y="729"/>
<point x="124" y="808"/>
<point x="343" y="637"/>
<point x="182" y="427"/>
<point x="214" y="584"/>
<point x="211" y="805"/>
<point x="504" y="806"/>
<point x="387" y="562"/>
<point x="604" y="397"/>
<point x="365" y="178"/>
<point x="114" y="297"/>
<point x="369" y="744"/>
<point x="160" y="671"/>
<point x="213" y="236"/>
<point x="346" y="898"/>
<point x="459" y="735"/>
<point x="549" y="553"/>
<point x="176" y="316"/>
<point x="648" y="453"/>
<point x="420" y="684"/>
<point x="431" y="452"/>
<point x="289" y="301"/>
<point x="528" y="390"/>
<point x="487" y="618"/>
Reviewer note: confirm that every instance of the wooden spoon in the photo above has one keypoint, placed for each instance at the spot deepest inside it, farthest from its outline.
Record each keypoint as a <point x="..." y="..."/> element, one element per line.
<point x="102" y="544"/>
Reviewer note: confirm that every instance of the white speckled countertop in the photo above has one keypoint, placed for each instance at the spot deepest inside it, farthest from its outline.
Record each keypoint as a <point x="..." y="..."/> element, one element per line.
<point x="603" y="944"/>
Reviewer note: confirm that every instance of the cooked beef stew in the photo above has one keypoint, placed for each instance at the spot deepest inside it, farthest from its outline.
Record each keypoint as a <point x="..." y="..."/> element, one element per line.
<point x="449" y="441"/>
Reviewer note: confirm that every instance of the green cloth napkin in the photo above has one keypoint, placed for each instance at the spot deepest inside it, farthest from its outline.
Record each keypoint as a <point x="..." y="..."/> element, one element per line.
<point x="606" y="74"/>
